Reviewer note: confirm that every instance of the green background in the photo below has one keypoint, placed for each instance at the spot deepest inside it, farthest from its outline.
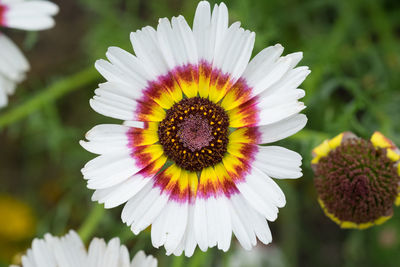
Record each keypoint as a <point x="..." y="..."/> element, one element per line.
<point x="352" y="48"/>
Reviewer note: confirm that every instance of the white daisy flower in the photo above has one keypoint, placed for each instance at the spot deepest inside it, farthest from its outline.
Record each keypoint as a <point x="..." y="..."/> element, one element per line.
<point x="187" y="161"/>
<point x="69" y="251"/>
<point x="25" y="15"/>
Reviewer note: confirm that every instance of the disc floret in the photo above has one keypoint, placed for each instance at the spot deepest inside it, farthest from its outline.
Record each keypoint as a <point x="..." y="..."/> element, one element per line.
<point x="194" y="133"/>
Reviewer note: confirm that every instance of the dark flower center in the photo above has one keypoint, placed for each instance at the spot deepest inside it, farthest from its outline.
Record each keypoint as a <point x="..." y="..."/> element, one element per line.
<point x="194" y="133"/>
<point x="357" y="182"/>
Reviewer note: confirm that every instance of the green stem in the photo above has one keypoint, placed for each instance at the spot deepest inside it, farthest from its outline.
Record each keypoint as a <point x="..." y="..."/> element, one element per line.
<point x="51" y="93"/>
<point x="91" y="222"/>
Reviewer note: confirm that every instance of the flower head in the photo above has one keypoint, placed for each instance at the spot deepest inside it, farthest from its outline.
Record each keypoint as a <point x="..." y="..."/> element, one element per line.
<point x="24" y="15"/>
<point x="69" y="251"/>
<point x="187" y="160"/>
<point x="357" y="180"/>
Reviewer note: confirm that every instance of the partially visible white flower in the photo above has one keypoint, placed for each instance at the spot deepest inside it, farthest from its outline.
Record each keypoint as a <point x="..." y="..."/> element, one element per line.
<point x="24" y="15"/>
<point x="13" y="66"/>
<point x="69" y="251"/>
<point x="27" y="15"/>
<point x="270" y="256"/>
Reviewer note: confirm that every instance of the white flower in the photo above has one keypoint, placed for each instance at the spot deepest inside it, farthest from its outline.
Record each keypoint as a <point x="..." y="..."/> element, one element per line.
<point x="69" y="251"/>
<point x="271" y="256"/>
<point x="25" y="15"/>
<point x="188" y="160"/>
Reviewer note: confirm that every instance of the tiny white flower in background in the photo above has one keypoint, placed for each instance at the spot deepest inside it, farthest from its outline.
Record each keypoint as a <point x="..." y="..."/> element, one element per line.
<point x="24" y="15"/>
<point x="69" y="251"/>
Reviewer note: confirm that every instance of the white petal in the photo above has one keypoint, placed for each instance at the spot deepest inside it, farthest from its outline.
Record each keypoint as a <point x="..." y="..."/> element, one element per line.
<point x="176" y="42"/>
<point x="136" y="124"/>
<point x="109" y="170"/>
<point x="209" y="30"/>
<point x="218" y="29"/>
<point x="146" y="48"/>
<point x="261" y="63"/>
<point x="262" y="205"/>
<point x="68" y="250"/>
<point x="110" y="257"/>
<point x="241" y="227"/>
<point x="200" y="223"/>
<point x="114" y="73"/>
<point x="129" y="64"/>
<point x="13" y="63"/>
<point x="265" y="188"/>
<point x="120" y="193"/>
<point x="142" y="209"/>
<point x="278" y="162"/>
<point x="224" y="224"/>
<point x="31" y="15"/>
<point x="271" y="76"/>
<point x="201" y="25"/>
<point x="212" y="223"/>
<point x="188" y="243"/>
<point x="112" y="109"/>
<point x="96" y="252"/>
<point x="169" y="227"/>
<point x="291" y="80"/>
<point x="282" y="129"/>
<point x="41" y="254"/>
<point x="107" y="139"/>
<point x="235" y="51"/>
<point x="280" y="98"/>
<point x="280" y="106"/>
<point x="140" y="260"/>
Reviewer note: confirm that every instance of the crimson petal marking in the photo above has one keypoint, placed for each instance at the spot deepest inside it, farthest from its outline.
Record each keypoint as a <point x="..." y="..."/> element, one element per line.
<point x="239" y="93"/>
<point x="145" y="155"/>
<point x="3" y="10"/>
<point x="141" y="137"/>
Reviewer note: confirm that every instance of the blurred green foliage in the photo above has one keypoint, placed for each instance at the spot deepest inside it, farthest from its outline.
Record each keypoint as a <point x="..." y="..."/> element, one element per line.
<point x="352" y="48"/>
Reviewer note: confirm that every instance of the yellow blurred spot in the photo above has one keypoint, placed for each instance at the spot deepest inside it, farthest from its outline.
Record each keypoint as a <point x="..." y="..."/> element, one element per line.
<point x="17" y="220"/>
